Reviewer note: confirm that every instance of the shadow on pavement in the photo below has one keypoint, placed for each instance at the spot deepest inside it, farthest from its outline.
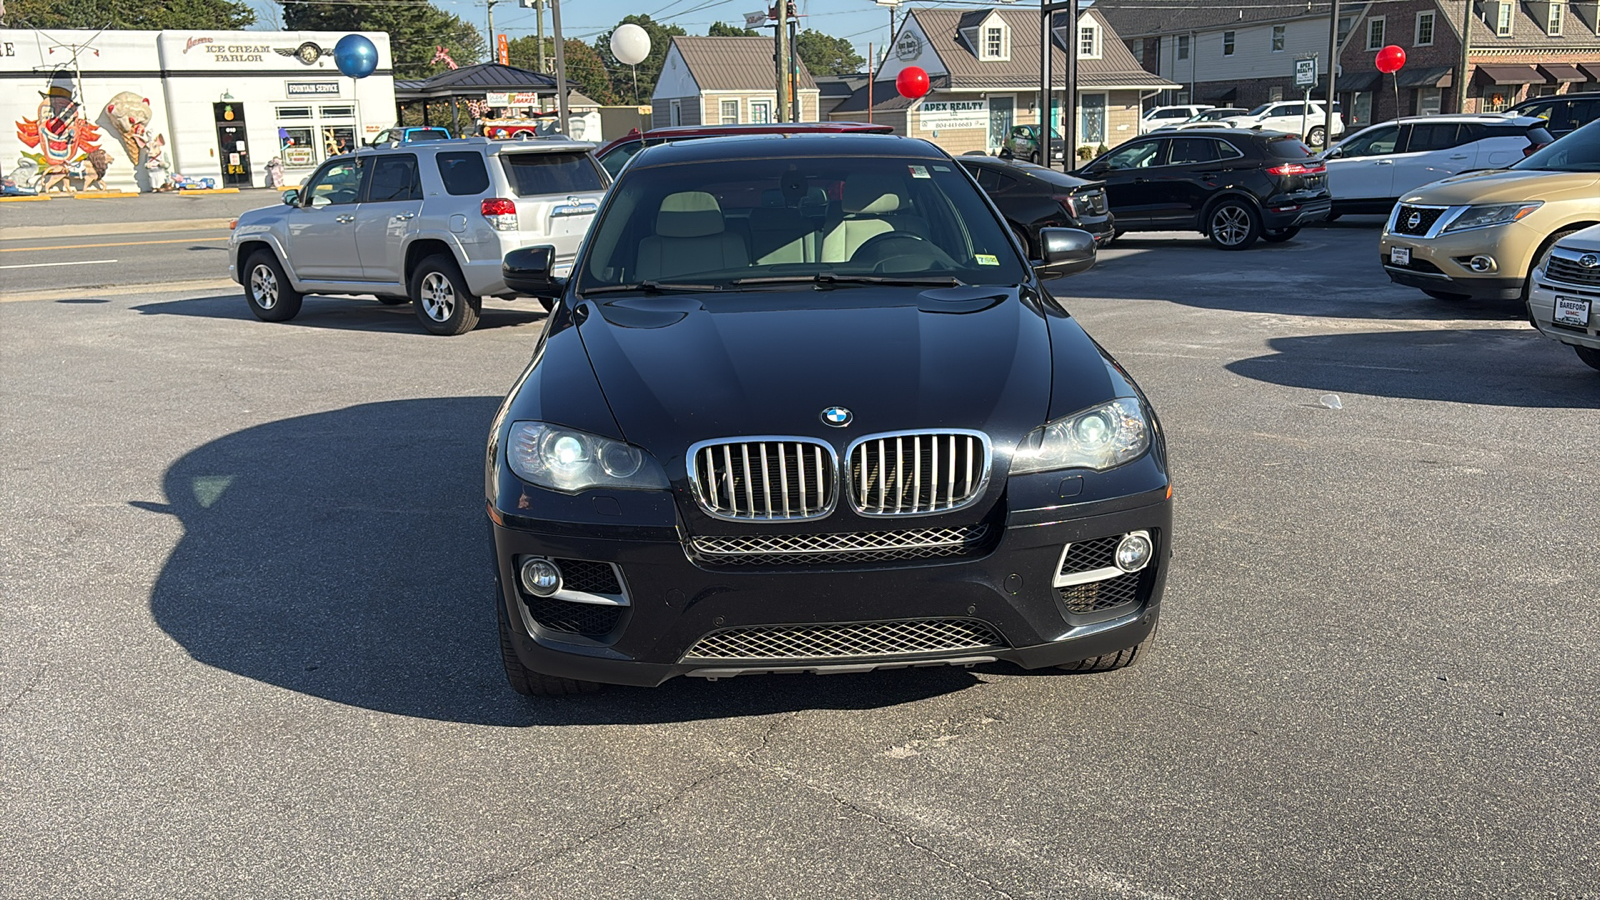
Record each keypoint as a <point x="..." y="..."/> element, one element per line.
<point x="345" y="314"/>
<point x="1492" y="367"/>
<point x="345" y="555"/>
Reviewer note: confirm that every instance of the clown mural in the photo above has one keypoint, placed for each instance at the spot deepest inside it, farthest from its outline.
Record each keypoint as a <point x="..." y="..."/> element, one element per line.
<point x="66" y="141"/>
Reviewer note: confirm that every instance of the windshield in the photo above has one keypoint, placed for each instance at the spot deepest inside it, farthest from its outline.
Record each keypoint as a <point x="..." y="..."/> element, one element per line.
<point x="739" y="224"/>
<point x="1577" y="152"/>
<point x="1258" y="110"/>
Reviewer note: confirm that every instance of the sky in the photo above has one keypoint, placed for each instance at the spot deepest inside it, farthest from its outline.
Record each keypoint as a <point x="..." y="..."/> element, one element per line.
<point x="859" y="21"/>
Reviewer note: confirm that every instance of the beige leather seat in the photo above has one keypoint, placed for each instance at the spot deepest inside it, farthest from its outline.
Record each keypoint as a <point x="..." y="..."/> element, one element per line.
<point x="691" y="237"/>
<point x="870" y="209"/>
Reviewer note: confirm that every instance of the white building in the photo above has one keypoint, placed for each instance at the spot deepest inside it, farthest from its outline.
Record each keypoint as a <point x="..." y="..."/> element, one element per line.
<point x="217" y="104"/>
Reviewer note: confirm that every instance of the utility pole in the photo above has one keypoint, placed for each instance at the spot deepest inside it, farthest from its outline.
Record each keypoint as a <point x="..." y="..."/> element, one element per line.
<point x="489" y="38"/>
<point x="538" y="11"/>
<point x="783" y="59"/>
<point x="1461" y="64"/>
<point x="1333" y="74"/>
<point x="561" y="66"/>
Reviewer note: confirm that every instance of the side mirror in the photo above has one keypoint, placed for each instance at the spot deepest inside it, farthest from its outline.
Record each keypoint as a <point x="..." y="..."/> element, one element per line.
<point x="1334" y="153"/>
<point x="527" y="271"/>
<point x="1066" y="251"/>
<point x="291" y="197"/>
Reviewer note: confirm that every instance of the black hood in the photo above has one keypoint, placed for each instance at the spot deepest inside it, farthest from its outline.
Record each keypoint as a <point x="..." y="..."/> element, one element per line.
<point x="678" y="369"/>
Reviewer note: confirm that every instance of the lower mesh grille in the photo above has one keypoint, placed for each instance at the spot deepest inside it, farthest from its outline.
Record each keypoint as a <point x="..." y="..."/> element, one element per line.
<point x="1095" y="596"/>
<point x="1085" y="556"/>
<point x="588" y="576"/>
<point x="848" y="641"/>
<point x="825" y="549"/>
<point x="587" y="619"/>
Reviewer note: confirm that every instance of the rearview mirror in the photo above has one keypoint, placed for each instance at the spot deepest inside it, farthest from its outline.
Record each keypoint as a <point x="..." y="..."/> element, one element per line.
<point x="291" y="197"/>
<point x="1064" y="251"/>
<point x="528" y="271"/>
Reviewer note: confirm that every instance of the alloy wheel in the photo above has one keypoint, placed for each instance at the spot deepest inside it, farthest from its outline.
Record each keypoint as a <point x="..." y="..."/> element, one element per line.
<point x="438" y="297"/>
<point x="264" y="287"/>
<point x="1230" y="224"/>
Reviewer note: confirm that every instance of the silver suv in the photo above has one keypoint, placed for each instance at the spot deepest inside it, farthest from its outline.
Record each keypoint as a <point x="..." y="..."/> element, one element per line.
<point x="425" y="222"/>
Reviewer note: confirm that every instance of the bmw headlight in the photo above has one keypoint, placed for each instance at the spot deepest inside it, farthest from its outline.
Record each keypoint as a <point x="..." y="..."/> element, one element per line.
<point x="1100" y="438"/>
<point x="568" y="460"/>
<point x="1492" y="214"/>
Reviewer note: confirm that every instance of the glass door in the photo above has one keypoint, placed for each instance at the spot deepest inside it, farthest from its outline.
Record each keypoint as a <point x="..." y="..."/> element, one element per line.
<point x="1001" y="113"/>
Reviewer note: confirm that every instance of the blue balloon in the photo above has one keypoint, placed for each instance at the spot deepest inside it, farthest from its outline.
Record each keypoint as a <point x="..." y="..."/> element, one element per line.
<point x="355" y="56"/>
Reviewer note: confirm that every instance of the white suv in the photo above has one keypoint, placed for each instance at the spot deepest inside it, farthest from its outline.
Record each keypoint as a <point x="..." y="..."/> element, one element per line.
<point x="1369" y="171"/>
<point x="1168" y="115"/>
<point x="425" y="222"/>
<point x="1564" y="294"/>
<point x="1309" y="121"/>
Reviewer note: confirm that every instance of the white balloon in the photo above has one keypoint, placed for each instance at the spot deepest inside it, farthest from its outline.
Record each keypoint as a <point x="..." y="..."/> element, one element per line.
<point x="630" y="44"/>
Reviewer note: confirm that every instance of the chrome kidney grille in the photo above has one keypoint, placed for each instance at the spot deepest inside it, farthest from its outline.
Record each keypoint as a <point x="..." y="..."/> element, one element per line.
<point x="768" y="478"/>
<point x="917" y="473"/>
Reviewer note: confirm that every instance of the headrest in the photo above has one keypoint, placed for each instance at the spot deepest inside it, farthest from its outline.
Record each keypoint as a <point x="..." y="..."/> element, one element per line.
<point x="689" y="214"/>
<point x="772" y="198"/>
<point x="864" y="193"/>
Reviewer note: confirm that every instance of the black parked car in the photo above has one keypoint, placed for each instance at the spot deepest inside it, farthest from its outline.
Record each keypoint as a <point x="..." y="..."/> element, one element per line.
<point x="1032" y="197"/>
<point x="1233" y="186"/>
<point x="803" y="406"/>
<point x="1564" y="114"/>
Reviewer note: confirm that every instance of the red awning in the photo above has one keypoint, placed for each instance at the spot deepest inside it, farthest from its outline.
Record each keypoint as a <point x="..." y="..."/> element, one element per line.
<point x="1562" y="73"/>
<point x="1511" y="74"/>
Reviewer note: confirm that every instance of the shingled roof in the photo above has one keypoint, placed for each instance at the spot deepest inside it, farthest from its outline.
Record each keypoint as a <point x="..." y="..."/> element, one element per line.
<point x="1142" y="18"/>
<point x="1116" y="66"/>
<point x="733" y="63"/>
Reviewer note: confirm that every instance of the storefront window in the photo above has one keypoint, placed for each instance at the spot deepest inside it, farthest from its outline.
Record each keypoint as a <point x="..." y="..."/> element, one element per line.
<point x="296" y="148"/>
<point x="338" y="139"/>
<point x="338" y="112"/>
<point x="294" y="112"/>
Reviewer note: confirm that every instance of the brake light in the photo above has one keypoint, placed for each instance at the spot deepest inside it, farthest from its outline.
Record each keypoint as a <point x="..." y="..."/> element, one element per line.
<point x="501" y="213"/>
<point x="1068" y="203"/>
<point x="1531" y="149"/>
<point x="1298" y="169"/>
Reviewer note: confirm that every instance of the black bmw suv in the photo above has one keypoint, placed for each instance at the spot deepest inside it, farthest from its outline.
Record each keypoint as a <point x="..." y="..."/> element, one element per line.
<point x="1233" y="186"/>
<point x="805" y="405"/>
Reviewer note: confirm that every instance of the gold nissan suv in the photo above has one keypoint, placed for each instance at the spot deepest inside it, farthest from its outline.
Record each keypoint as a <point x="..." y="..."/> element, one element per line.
<point x="1479" y="235"/>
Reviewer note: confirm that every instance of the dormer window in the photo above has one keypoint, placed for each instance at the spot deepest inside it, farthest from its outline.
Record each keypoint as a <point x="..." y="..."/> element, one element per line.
<point x="996" y="42"/>
<point x="1552" y="25"/>
<point x="1089" y="41"/>
<point x="1502" y="20"/>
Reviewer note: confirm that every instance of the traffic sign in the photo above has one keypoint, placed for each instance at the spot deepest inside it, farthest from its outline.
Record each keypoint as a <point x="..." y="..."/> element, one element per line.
<point x="1305" y="72"/>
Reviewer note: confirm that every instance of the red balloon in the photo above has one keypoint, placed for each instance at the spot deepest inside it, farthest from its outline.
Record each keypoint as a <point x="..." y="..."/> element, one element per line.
<point x="1391" y="59"/>
<point x="912" y="82"/>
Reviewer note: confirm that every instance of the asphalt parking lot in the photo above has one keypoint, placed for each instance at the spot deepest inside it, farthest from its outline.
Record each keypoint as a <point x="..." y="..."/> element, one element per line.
<point x="247" y="641"/>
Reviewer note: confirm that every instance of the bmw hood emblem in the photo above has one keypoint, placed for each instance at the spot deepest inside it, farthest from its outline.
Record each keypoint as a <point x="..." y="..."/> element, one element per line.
<point x="837" y="416"/>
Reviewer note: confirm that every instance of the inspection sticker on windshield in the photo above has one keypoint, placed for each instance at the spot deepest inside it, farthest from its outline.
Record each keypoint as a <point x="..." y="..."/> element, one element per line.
<point x="919" y="171"/>
<point x="1400" y="256"/>
<point x="1572" y="311"/>
<point x="986" y="259"/>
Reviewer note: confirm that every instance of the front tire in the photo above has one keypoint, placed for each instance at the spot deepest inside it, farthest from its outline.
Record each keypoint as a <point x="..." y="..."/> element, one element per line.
<point x="1314" y="136"/>
<point x="1590" y="356"/>
<point x="1110" y="662"/>
<point x="1542" y="257"/>
<point x="267" y="289"/>
<point x="1233" y="225"/>
<point x="1280" y="235"/>
<point x="524" y="680"/>
<point x="439" y="293"/>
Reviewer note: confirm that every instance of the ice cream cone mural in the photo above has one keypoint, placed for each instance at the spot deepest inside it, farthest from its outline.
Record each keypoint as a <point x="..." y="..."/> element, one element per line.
<point x="131" y="114"/>
<point x="62" y="136"/>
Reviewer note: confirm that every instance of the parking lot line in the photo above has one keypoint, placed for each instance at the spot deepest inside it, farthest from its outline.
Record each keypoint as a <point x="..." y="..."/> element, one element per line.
<point x="78" y="262"/>
<point x="119" y="244"/>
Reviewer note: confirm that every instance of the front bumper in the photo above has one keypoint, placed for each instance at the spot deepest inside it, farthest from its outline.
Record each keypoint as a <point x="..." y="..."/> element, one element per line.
<point x="1439" y="259"/>
<point x="1005" y="590"/>
<point x="1541" y="312"/>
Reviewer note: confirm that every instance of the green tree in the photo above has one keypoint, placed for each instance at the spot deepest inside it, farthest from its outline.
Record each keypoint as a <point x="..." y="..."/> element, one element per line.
<point x="723" y="29"/>
<point x="650" y="70"/>
<point x="172" y="14"/>
<point x="827" y="55"/>
<point x="415" y="27"/>
<point x="586" y="72"/>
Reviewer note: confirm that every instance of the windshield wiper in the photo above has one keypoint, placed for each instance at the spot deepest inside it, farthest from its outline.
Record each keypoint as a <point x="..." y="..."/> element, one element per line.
<point x="650" y="287"/>
<point x="831" y="278"/>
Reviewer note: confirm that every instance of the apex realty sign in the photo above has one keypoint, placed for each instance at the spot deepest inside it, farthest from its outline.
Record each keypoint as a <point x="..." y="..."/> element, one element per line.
<point x="939" y="115"/>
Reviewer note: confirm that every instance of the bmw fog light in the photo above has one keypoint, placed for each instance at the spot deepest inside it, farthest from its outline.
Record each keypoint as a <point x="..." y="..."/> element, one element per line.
<point x="1134" y="551"/>
<point x="541" y="578"/>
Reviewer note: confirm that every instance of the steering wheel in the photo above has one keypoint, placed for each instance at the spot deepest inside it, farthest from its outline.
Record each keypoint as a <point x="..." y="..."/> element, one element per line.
<point x="911" y="246"/>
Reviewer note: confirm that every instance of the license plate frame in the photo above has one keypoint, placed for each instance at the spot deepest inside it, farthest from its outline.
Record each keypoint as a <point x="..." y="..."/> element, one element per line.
<point x="1399" y="256"/>
<point x="1573" y="312"/>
